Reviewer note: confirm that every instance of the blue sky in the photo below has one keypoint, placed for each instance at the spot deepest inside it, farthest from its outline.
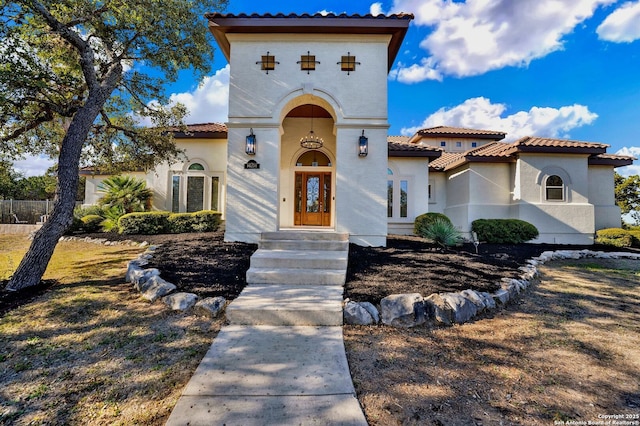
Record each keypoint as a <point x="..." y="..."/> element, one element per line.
<point x="555" y="68"/>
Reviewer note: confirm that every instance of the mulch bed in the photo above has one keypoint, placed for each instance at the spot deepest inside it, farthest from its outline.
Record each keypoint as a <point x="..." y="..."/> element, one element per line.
<point x="204" y="264"/>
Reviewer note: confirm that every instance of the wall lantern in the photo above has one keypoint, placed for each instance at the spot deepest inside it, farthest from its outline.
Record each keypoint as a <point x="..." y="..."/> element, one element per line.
<point x="363" y="145"/>
<point x="250" y="147"/>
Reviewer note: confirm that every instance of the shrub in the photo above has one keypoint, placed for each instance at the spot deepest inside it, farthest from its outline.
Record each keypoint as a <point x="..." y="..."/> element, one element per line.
<point x="635" y="233"/>
<point x="181" y="222"/>
<point x="81" y="212"/>
<point x="92" y="223"/>
<point x="424" y="220"/>
<point x="617" y="237"/>
<point x="149" y="223"/>
<point x="441" y="232"/>
<point x="504" y="231"/>
<point x="206" y="221"/>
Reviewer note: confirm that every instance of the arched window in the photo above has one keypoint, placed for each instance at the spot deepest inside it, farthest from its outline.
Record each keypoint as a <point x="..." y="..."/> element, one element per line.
<point x="554" y="187"/>
<point x="196" y="166"/>
<point x="313" y="158"/>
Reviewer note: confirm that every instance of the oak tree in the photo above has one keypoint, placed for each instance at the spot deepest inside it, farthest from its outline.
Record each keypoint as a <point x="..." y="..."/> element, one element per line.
<point x="78" y="78"/>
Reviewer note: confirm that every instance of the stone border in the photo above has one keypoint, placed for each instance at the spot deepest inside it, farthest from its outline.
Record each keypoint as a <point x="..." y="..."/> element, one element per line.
<point x="151" y="286"/>
<point x="410" y="310"/>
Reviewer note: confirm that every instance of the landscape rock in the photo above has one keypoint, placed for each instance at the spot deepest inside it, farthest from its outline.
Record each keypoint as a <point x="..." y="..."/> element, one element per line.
<point x="501" y="297"/>
<point x="211" y="306"/>
<point x="403" y="310"/>
<point x="463" y="308"/>
<point x="489" y="303"/>
<point x="475" y="298"/>
<point x="439" y="309"/>
<point x="355" y="314"/>
<point x="143" y="279"/>
<point x="156" y="287"/>
<point x="180" y="301"/>
<point x="372" y="311"/>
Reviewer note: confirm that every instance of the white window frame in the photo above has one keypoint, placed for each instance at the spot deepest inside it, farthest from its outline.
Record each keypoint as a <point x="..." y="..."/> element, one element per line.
<point x="184" y="175"/>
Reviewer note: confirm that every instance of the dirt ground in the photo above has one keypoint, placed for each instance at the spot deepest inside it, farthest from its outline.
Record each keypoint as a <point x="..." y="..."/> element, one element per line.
<point x="568" y="350"/>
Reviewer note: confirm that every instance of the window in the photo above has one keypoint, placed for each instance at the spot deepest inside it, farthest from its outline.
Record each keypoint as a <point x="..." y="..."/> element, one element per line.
<point x="404" y="189"/>
<point x="348" y="63"/>
<point x="175" y="198"/>
<point x="195" y="193"/>
<point x="195" y="188"/>
<point x="474" y="144"/>
<point x="443" y="143"/>
<point x="458" y="144"/>
<point x="308" y="62"/>
<point x="268" y="63"/>
<point x="554" y="187"/>
<point x="389" y="198"/>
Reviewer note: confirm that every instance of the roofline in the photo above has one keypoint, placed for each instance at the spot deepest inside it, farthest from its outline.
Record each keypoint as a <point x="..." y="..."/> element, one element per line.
<point x="413" y="154"/>
<point x="494" y="137"/>
<point x="200" y="135"/>
<point x="615" y="162"/>
<point x="395" y="25"/>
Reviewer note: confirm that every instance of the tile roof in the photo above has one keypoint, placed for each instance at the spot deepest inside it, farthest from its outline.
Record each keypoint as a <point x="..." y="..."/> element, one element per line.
<point x="396" y="25"/>
<point x="507" y="152"/>
<point x="201" y="130"/>
<point x="564" y="145"/>
<point x="461" y="131"/>
<point x="398" y="149"/>
<point x="611" y="160"/>
<point x="398" y="139"/>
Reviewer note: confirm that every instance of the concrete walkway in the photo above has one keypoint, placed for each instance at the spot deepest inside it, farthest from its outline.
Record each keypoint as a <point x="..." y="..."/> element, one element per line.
<point x="281" y="360"/>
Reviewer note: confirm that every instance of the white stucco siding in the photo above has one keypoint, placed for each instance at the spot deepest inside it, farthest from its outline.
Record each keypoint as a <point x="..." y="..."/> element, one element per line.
<point x="567" y="221"/>
<point x="254" y="93"/>
<point x="602" y="196"/>
<point x="438" y="199"/>
<point x="252" y="194"/>
<point x="361" y="191"/>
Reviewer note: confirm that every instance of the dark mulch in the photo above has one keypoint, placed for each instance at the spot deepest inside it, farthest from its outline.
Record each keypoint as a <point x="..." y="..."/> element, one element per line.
<point x="203" y="263"/>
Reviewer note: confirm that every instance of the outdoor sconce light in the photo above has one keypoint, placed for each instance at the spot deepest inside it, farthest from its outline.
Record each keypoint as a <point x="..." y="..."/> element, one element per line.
<point x="250" y="147"/>
<point x="363" y="145"/>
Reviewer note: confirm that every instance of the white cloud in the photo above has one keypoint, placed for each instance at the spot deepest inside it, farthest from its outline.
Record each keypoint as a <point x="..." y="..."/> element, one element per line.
<point x="476" y="36"/>
<point x="33" y="165"/>
<point x="622" y="25"/>
<point x="209" y="102"/>
<point x="376" y="9"/>
<point x="480" y="113"/>
<point x="633" y="169"/>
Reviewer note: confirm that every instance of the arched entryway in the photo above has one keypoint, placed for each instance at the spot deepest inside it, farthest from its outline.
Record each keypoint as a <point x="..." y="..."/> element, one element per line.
<point x="307" y="172"/>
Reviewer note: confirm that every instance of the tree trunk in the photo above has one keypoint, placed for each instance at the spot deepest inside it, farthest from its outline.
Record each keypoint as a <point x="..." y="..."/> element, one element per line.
<point x="34" y="263"/>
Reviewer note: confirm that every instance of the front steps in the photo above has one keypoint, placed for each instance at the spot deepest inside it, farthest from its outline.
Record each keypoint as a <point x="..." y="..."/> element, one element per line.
<point x="295" y="278"/>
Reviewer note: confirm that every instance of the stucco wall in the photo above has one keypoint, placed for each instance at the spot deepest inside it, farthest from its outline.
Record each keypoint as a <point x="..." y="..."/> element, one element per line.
<point x="602" y="196"/>
<point x="571" y="221"/>
<point x="261" y="101"/>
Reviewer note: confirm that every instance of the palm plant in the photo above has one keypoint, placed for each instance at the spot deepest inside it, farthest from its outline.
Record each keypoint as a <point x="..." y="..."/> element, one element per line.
<point x="126" y="194"/>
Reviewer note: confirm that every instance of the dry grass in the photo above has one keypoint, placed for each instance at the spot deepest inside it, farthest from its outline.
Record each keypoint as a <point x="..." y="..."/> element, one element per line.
<point x="570" y="350"/>
<point x="91" y="351"/>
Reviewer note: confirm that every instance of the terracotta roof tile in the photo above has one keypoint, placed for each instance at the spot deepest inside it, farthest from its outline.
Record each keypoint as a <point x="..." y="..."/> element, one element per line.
<point x="530" y="141"/>
<point x="446" y="159"/>
<point x="202" y="130"/>
<point x="396" y="25"/>
<point x="461" y="131"/>
<point x="398" y="139"/>
<point x="611" y="160"/>
<point x="397" y="149"/>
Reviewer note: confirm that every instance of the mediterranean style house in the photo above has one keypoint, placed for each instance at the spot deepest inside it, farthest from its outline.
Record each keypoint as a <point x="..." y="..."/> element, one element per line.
<point x="306" y="147"/>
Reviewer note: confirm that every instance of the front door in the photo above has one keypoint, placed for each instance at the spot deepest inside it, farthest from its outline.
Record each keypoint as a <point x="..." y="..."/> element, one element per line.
<point x="313" y="199"/>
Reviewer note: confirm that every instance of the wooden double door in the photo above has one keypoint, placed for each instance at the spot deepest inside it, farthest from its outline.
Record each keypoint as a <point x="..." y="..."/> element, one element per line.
<point x="313" y="199"/>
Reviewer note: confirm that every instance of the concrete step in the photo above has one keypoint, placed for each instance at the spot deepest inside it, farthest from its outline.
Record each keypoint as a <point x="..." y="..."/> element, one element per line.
<point x="299" y="259"/>
<point x="326" y="245"/>
<point x="287" y="305"/>
<point x="305" y="235"/>
<point x="296" y="276"/>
